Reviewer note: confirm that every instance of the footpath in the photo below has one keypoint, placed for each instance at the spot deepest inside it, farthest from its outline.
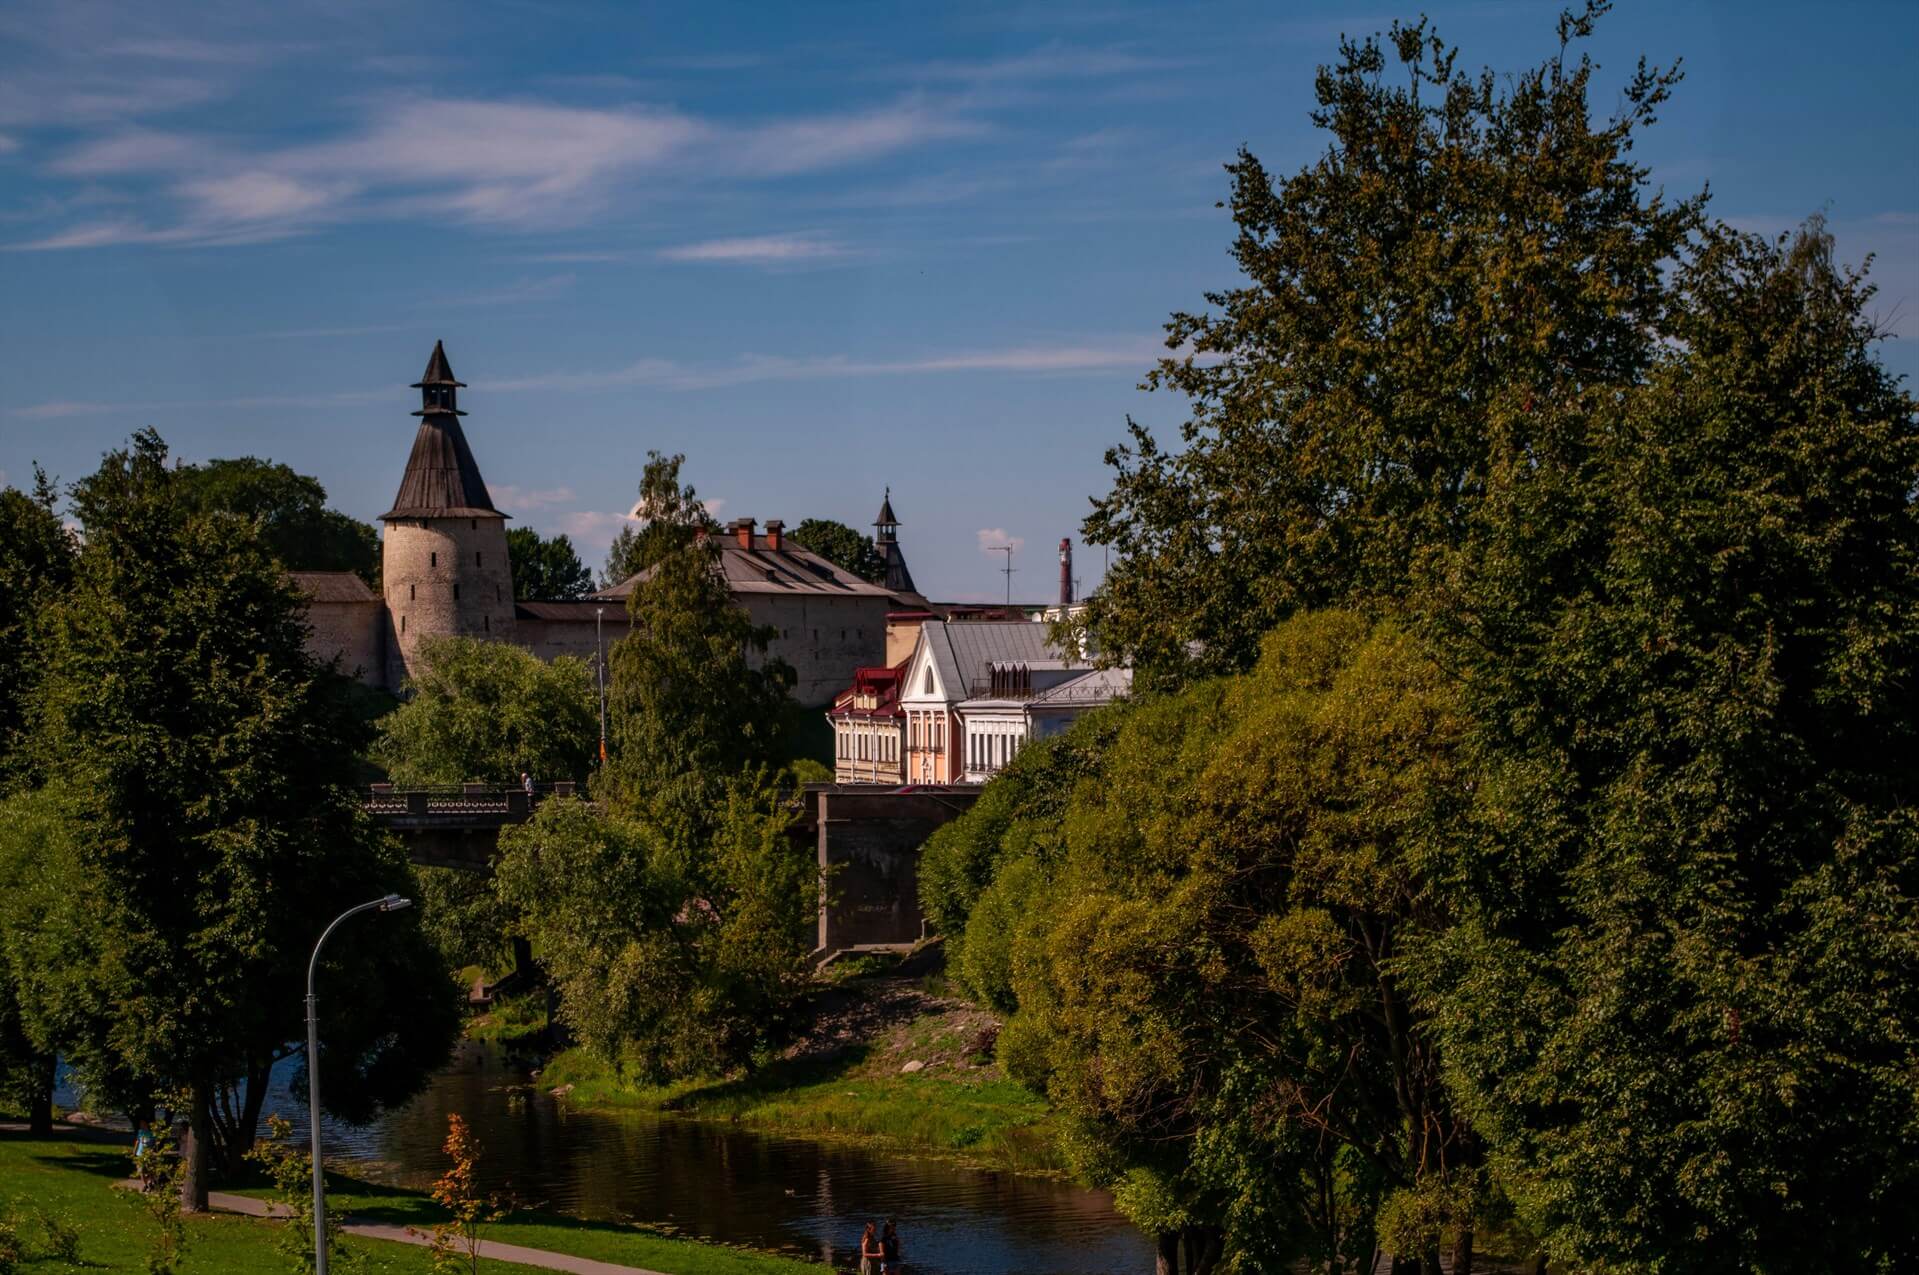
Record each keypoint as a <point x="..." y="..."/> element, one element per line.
<point x="492" y="1250"/>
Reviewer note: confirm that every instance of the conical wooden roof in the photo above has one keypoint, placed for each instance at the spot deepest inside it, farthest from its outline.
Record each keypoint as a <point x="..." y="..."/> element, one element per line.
<point x="438" y="370"/>
<point x="442" y="479"/>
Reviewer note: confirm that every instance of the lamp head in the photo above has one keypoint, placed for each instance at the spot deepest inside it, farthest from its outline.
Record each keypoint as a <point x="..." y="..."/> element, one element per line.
<point x="393" y="903"/>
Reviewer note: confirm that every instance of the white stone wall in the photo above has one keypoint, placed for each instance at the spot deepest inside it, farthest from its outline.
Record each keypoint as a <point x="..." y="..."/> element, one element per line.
<point x="444" y="577"/>
<point x="353" y="631"/>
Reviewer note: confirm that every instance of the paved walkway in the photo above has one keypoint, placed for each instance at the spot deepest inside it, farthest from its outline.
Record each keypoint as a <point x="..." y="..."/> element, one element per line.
<point x="492" y="1250"/>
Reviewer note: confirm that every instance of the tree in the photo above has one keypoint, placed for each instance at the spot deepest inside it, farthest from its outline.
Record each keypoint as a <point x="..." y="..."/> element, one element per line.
<point x="1466" y="242"/>
<point x="693" y="700"/>
<point x="194" y="765"/>
<point x="546" y="570"/>
<point x="1682" y="997"/>
<point x="676" y="959"/>
<point x="295" y="524"/>
<point x="670" y="517"/>
<point x="36" y="562"/>
<point x="842" y="546"/>
<point x="487" y="711"/>
<point x="1198" y="948"/>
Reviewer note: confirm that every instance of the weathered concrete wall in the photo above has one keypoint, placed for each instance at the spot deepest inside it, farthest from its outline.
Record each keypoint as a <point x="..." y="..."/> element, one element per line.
<point x="824" y="638"/>
<point x="353" y="631"/>
<point x="444" y="577"/>
<point x="869" y="850"/>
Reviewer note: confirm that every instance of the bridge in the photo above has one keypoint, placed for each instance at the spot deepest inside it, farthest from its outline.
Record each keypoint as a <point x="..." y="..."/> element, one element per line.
<point x="456" y="826"/>
<point x="867" y="839"/>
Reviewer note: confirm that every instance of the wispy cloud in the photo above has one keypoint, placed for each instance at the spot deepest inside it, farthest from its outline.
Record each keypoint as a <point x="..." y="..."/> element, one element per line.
<point x="669" y="374"/>
<point x="542" y="289"/>
<point x="1052" y="61"/>
<point x="510" y="163"/>
<point x="61" y="409"/>
<point x="529" y="498"/>
<point x="759" y="250"/>
<point x="994" y="539"/>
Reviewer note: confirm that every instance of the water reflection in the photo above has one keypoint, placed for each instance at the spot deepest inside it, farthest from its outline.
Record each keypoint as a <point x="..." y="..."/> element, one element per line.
<point x="721" y="1184"/>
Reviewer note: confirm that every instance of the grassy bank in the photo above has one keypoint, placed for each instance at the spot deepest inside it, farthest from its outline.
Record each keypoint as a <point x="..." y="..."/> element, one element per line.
<point x="72" y="1180"/>
<point x="852" y="1081"/>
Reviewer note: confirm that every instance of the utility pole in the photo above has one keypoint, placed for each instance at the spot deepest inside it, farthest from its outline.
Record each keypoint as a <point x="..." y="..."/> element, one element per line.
<point x="1006" y="570"/>
<point x="599" y="643"/>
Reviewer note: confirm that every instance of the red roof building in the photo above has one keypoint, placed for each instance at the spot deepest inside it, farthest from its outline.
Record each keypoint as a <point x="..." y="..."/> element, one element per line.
<point x="869" y="728"/>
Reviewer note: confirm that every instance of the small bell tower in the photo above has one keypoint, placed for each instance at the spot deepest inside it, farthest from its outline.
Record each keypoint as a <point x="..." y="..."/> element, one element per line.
<point x="886" y="540"/>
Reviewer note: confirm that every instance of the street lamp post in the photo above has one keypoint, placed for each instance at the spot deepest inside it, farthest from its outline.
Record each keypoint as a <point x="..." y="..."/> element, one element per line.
<point x="599" y="643"/>
<point x="390" y="903"/>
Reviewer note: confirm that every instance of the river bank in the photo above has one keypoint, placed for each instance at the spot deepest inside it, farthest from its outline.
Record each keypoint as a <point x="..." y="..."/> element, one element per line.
<point x="888" y="1064"/>
<point x="71" y="1178"/>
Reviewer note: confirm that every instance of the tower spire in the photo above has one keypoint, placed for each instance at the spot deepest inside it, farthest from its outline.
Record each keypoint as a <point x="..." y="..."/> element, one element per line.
<point x="439" y="392"/>
<point x="887" y="541"/>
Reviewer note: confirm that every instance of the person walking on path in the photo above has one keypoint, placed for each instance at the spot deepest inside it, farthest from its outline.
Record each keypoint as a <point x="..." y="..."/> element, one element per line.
<point x="870" y="1253"/>
<point x="890" y="1249"/>
<point x="526" y="786"/>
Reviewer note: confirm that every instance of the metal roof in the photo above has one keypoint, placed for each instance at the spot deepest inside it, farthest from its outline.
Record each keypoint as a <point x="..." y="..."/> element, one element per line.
<point x="332" y="586"/>
<point x="964" y="651"/>
<point x="790" y="569"/>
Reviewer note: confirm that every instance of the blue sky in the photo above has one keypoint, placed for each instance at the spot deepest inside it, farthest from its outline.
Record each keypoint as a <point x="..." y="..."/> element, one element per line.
<point x="818" y="248"/>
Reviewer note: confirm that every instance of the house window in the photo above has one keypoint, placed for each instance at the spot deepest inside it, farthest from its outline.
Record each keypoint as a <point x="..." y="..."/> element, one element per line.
<point x="928" y="690"/>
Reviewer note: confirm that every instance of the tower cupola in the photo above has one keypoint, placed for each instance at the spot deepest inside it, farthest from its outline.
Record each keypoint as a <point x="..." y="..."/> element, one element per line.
<point x="886" y="540"/>
<point x="439" y="392"/>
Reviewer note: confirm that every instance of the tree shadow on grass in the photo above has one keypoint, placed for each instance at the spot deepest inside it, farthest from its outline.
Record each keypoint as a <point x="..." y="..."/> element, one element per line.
<point x="776" y="1077"/>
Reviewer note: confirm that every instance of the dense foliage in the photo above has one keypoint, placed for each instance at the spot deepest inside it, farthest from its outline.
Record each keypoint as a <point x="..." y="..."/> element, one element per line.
<point x="486" y="712"/>
<point x="36" y="563"/>
<point x="290" y="508"/>
<point x="842" y="546"/>
<point x="1467" y="243"/>
<point x="1583" y="889"/>
<point x="545" y="569"/>
<point x="669" y="517"/>
<point x="192" y="827"/>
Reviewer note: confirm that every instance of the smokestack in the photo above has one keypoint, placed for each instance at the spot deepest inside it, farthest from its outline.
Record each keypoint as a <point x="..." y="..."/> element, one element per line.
<point x="1065" y="572"/>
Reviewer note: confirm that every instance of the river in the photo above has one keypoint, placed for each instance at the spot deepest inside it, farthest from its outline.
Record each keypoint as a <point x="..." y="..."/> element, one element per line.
<point x="716" y="1182"/>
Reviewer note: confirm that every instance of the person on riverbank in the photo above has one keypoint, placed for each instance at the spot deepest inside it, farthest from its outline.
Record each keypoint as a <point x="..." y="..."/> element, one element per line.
<point x="143" y="1154"/>
<point x="871" y="1254"/>
<point x="890" y="1249"/>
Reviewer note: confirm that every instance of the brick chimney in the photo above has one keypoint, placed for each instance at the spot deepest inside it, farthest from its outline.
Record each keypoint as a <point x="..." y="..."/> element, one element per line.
<point x="774" y="528"/>
<point x="1065" y="572"/>
<point x="742" y="529"/>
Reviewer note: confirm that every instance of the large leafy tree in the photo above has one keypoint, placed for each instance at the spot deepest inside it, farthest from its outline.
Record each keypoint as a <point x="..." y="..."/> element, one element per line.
<point x="295" y="524"/>
<point x="36" y="562"/>
<point x="1467" y="242"/>
<point x="669" y="515"/>
<point x="546" y="569"/>
<point x="694" y="700"/>
<point x="1198" y="938"/>
<point x="842" y="546"/>
<point x="1683" y="1001"/>
<point x="198" y="825"/>
<point x="488" y="711"/>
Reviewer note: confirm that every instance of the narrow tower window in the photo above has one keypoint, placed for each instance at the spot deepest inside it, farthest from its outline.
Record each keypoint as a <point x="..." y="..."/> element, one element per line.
<point x="476" y="557"/>
<point x="412" y="594"/>
<point x="456" y="593"/>
<point x="489" y="623"/>
<point x="433" y="559"/>
<point x="403" y="624"/>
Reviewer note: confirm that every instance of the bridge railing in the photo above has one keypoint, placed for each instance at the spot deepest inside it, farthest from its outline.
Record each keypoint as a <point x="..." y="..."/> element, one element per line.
<point x="462" y="799"/>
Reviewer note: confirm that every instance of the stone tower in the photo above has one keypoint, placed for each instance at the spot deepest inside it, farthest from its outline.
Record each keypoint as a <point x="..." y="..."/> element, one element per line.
<point x="443" y="558"/>
<point x="887" y="541"/>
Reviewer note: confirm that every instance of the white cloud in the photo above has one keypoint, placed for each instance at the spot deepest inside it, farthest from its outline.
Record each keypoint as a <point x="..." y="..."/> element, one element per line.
<point x="528" y="498"/>
<point x="1135" y="354"/>
<point x="258" y="196"/>
<point x="993" y="539"/>
<point x="759" y="250"/>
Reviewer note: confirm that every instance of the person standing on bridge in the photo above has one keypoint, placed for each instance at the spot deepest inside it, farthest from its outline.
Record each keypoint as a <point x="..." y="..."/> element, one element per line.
<point x="526" y="785"/>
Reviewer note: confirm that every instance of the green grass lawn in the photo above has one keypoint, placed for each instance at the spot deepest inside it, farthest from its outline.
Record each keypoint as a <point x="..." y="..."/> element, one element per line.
<point x="955" y="1108"/>
<point x="73" y="1180"/>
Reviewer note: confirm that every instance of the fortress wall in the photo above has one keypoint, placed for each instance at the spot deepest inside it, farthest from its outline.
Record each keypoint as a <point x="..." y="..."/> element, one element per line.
<point x="824" y="638"/>
<point x="353" y="631"/>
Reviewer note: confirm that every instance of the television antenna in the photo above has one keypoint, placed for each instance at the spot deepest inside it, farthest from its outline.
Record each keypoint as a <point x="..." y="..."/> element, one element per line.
<point x="1006" y="570"/>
